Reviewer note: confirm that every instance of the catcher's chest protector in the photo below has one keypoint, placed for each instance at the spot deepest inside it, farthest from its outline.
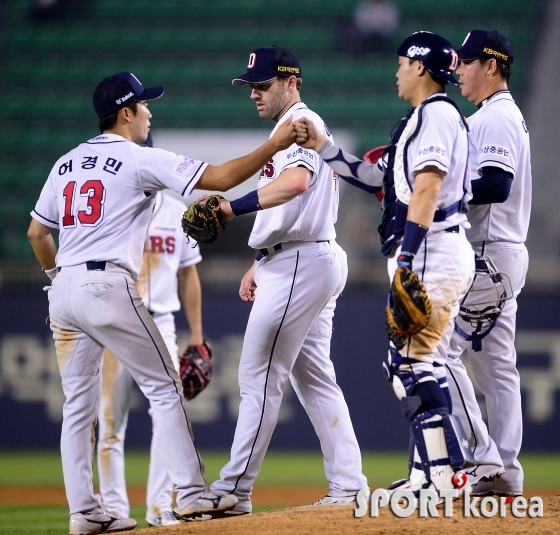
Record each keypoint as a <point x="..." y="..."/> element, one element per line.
<point x="397" y="187"/>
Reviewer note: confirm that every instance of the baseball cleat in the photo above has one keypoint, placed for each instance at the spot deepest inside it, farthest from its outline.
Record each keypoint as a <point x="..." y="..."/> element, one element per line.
<point x="350" y="499"/>
<point x="230" y="513"/>
<point x="209" y="502"/>
<point x="336" y="500"/>
<point x="166" y="518"/>
<point x="493" y="488"/>
<point x="99" y="521"/>
<point x="400" y="484"/>
<point x="484" y="473"/>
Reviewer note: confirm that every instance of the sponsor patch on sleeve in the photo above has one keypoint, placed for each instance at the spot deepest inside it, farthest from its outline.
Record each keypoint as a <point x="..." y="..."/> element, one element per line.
<point x="301" y="154"/>
<point x="431" y="150"/>
<point x="182" y="166"/>
<point x="495" y="150"/>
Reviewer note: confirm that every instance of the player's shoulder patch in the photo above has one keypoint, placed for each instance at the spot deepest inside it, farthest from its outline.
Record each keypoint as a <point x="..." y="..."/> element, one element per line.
<point x="301" y="154"/>
<point x="183" y="164"/>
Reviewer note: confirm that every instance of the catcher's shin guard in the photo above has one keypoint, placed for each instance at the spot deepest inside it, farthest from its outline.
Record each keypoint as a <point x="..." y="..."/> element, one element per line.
<point x="442" y="447"/>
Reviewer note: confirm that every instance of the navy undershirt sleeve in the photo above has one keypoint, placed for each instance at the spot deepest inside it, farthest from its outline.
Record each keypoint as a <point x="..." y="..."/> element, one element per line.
<point x="492" y="187"/>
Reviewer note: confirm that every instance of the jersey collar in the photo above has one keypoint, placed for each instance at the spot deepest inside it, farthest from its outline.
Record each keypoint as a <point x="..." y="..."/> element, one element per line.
<point x="503" y="92"/>
<point x="296" y="106"/>
<point x="107" y="138"/>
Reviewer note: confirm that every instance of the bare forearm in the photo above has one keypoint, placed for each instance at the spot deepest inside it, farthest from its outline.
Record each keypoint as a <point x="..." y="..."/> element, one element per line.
<point x="234" y="172"/>
<point x="290" y="184"/>
<point x="424" y="199"/>
<point x="43" y="245"/>
<point x="190" y="294"/>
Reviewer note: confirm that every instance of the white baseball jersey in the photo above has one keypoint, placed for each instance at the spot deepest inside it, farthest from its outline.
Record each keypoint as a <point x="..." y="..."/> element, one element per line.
<point x="441" y="142"/>
<point x="165" y="251"/>
<point x="500" y="139"/>
<point x="92" y="187"/>
<point x="310" y="216"/>
<point x="289" y="329"/>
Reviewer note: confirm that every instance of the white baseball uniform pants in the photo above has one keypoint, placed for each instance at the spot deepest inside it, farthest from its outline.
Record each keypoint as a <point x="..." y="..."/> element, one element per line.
<point x="495" y="372"/>
<point x="91" y="310"/>
<point x="116" y="389"/>
<point x="288" y="336"/>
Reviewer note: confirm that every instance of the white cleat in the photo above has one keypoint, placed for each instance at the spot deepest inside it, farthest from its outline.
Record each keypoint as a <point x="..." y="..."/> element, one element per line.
<point x="99" y="521"/>
<point x="484" y="473"/>
<point x="340" y="500"/>
<point x="210" y="503"/>
<point x="166" y="518"/>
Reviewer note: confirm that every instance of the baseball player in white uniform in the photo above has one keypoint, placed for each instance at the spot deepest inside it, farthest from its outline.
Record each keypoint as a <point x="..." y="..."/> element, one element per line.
<point x="423" y="228"/>
<point x="500" y="170"/>
<point x="100" y="196"/>
<point x="168" y="278"/>
<point x="294" y="283"/>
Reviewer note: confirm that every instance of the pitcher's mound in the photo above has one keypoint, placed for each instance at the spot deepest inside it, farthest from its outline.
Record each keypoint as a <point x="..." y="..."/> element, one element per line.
<point x="340" y="521"/>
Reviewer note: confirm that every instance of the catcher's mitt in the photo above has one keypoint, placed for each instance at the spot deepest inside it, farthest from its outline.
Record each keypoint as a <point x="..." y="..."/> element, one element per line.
<point x="373" y="156"/>
<point x="408" y="307"/>
<point x="195" y="369"/>
<point x="202" y="222"/>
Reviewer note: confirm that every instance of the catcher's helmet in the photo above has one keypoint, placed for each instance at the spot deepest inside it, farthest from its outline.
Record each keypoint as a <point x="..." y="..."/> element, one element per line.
<point x="484" y="302"/>
<point x="436" y="54"/>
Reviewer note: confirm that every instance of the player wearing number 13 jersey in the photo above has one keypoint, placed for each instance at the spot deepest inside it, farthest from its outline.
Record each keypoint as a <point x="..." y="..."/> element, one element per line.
<point x="100" y="196"/>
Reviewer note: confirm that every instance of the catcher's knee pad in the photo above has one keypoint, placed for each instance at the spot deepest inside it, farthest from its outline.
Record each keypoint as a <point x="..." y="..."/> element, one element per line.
<point x="441" y="444"/>
<point x="406" y="381"/>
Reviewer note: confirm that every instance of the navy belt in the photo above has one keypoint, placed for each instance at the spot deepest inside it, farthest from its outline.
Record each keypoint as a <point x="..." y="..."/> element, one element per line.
<point x="278" y="247"/>
<point x="96" y="266"/>
<point x="452" y="229"/>
<point x="266" y="252"/>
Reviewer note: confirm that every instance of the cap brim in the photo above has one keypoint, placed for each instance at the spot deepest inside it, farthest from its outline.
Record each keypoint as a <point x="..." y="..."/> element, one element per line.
<point x="253" y="78"/>
<point x="151" y="93"/>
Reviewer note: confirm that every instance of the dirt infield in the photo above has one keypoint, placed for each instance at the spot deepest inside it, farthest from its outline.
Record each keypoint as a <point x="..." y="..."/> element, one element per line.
<point x="340" y="521"/>
<point x="306" y="520"/>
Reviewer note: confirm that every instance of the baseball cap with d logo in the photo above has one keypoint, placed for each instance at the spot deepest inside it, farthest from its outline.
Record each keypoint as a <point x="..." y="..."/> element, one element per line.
<point x="266" y="64"/>
<point x="116" y="91"/>
<point x="486" y="44"/>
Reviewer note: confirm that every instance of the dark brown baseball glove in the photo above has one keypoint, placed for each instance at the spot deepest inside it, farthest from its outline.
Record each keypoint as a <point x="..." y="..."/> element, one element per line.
<point x="195" y="369"/>
<point x="203" y="222"/>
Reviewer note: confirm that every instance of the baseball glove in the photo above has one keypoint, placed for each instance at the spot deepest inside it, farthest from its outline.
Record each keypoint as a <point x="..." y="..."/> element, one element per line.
<point x="202" y="222"/>
<point x="408" y="307"/>
<point x="373" y="156"/>
<point x="195" y="369"/>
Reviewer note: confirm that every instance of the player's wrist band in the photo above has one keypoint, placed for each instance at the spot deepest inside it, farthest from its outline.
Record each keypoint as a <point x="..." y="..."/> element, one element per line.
<point x="50" y="273"/>
<point x="246" y="204"/>
<point x="414" y="235"/>
<point x="259" y="256"/>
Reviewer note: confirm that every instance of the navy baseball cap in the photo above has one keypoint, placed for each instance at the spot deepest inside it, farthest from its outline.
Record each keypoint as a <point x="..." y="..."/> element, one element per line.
<point x="266" y="64"/>
<point x="486" y="44"/>
<point x="116" y="91"/>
